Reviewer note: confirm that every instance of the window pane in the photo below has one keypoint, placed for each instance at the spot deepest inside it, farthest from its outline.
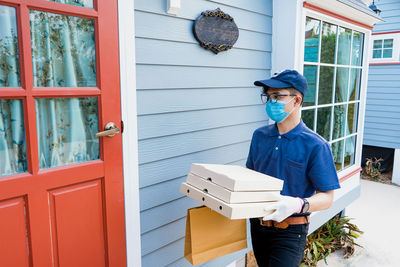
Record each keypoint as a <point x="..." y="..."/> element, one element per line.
<point x="342" y="82"/>
<point x="63" y="50"/>
<point x="308" y="117"/>
<point x="388" y="43"/>
<point x="339" y="121"/>
<point x="387" y="53"/>
<point x="83" y="3"/>
<point x="344" y="46"/>
<point x="350" y="149"/>
<point x="311" y="40"/>
<point x="325" y="85"/>
<point x="352" y="118"/>
<point x="358" y="44"/>
<point x="9" y="54"/>
<point x="66" y="130"/>
<point x="328" y="43"/>
<point x="355" y="83"/>
<point x="337" y="151"/>
<point x="12" y="137"/>
<point x="377" y="44"/>
<point x="324" y="122"/>
<point x="377" y="53"/>
<point x="310" y="73"/>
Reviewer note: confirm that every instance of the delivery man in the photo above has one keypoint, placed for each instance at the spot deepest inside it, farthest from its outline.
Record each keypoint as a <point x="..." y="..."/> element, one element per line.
<point x="290" y="151"/>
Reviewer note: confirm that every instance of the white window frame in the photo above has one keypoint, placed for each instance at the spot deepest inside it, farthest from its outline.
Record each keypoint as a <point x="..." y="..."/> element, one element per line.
<point x="396" y="47"/>
<point x="365" y="63"/>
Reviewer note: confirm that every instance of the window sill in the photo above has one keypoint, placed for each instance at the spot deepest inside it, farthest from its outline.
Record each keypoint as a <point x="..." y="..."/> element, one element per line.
<point x="348" y="172"/>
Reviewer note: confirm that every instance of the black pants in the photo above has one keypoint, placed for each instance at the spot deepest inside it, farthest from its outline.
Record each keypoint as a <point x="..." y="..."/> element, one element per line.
<point x="275" y="247"/>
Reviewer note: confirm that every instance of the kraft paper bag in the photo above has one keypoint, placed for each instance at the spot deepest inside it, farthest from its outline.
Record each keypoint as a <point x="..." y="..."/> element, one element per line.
<point x="210" y="235"/>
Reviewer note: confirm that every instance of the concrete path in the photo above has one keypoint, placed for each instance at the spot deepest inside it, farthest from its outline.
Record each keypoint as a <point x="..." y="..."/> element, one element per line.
<point x="377" y="213"/>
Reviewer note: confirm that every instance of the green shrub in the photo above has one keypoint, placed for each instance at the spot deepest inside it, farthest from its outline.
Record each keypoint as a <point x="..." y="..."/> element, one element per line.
<point x="338" y="233"/>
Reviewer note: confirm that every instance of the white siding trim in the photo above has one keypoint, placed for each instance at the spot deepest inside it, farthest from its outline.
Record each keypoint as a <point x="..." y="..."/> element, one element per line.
<point x="129" y="137"/>
<point x="396" y="167"/>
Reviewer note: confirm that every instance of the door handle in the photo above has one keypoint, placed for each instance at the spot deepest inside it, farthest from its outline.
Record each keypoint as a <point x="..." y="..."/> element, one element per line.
<point x="109" y="130"/>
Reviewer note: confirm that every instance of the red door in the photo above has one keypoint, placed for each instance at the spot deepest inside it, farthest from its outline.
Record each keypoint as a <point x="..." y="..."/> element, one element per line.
<point x="61" y="187"/>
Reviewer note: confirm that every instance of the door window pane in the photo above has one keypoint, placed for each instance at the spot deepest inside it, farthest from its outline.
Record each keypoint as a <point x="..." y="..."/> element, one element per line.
<point x="66" y="130"/>
<point x="352" y="118"/>
<point x="63" y="50"/>
<point x="358" y="43"/>
<point x="308" y="117"/>
<point x="12" y="137"/>
<point x="310" y="73"/>
<point x="9" y="54"/>
<point x="342" y="82"/>
<point x="337" y="151"/>
<point x="344" y="46"/>
<point x="83" y="3"/>
<point x="311" y="40"/>
<point x="355" y="83"/>
<point x="339" y="121"/>
<point x="328" y="43"/>
<point x="325" y="85"/>
<point x="350" y="149"/>
<point x="324" y="122"/>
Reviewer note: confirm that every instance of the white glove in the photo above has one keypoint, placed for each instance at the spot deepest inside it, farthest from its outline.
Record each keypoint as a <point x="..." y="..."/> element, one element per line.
<point x="283" y="208"/>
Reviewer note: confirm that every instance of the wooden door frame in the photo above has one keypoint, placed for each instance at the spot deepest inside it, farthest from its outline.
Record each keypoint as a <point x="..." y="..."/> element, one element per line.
<point x="126" y="31"/>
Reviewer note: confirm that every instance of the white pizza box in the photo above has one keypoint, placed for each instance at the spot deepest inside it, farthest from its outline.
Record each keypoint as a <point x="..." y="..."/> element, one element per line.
<point x="236" y="178"/>
<point x="231" y="211"/>
<point x="230" y="196"/>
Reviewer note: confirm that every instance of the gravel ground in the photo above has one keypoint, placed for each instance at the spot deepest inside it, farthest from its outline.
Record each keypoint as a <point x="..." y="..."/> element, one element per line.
<point x="377" y="213"/>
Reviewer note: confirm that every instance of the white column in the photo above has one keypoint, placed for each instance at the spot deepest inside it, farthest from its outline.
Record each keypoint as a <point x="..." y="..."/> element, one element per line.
<point x="396" y="167"/>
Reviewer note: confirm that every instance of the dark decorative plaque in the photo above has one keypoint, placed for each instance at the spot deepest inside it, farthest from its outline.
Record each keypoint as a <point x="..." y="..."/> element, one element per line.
<point x="215" y="30"/>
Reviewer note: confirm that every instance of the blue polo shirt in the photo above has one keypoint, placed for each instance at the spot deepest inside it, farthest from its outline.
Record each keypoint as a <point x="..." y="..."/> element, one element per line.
<point x="300" y="157"/>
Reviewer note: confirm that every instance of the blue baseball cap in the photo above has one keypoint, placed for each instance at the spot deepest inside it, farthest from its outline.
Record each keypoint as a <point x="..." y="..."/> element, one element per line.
<point x="285" y="79"/>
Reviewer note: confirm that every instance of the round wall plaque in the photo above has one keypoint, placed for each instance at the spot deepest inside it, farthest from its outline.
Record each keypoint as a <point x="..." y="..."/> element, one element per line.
<point x="215" y="30"/>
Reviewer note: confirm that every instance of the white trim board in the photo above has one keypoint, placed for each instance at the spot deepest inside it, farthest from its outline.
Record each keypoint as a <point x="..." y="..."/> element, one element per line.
<point x="129" y="137"/>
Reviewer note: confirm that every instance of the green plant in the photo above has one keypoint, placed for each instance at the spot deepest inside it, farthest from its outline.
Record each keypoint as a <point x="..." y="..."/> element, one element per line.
<point x="372" y="167"/>
<point x="338" y="233"/>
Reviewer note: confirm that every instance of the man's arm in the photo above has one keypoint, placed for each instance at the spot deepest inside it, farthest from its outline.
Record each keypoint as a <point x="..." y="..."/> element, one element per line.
<point x="320" y="200"/>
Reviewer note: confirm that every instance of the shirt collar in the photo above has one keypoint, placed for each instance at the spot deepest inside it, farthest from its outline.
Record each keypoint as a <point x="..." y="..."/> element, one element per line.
<point x="291" y="134"/>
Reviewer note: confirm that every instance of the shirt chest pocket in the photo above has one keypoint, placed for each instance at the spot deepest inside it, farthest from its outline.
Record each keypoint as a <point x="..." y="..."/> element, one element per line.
<point x="295" y="172"/>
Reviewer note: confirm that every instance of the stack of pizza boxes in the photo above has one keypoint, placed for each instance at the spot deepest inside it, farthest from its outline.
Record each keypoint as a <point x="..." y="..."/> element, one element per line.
<point x="233" y="191"/>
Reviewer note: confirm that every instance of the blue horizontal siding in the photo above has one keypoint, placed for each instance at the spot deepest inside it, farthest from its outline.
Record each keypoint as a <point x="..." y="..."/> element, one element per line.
<point x="179" y="100"/>
<point x="382" y="115"/>
<point x="161" y="171"/>
<point x="170" y="77"/>
<point x="193" y="106"/>
<point x="390" y="14"/>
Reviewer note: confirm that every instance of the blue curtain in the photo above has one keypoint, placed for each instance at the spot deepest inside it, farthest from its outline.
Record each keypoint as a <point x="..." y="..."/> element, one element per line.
<point x="66" y="130"/>
<point x="9" y="57"/>
<point x="63" y="51"/>
<point x="12" y="137"/>
<point x="83" y="3"/>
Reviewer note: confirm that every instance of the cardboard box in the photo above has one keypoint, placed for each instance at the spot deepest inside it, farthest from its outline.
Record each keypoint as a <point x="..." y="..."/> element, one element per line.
<point x="230" y="196"/>
<point x="236" y="178"/>
<point x="231" y="211"/>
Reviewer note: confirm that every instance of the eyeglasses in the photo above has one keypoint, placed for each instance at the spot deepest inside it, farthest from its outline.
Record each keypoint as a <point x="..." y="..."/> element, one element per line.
<point x="274" y="97"/>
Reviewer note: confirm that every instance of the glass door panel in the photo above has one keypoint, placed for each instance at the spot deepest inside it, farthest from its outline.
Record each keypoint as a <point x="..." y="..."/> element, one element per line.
<point x="63" y="50"/>
<point x="66" y="130"/>
<point x="82" y="3"/>
<point x="9" y="54"/>
<point x="12" y="137"/>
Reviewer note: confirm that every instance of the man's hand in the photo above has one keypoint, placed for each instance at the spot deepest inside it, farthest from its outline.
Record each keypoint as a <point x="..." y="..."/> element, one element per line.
<point x="284" y="207"/>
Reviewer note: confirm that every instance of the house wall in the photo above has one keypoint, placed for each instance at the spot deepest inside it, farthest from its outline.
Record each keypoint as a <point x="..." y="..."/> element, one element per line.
<point x="193" y="106"/>
<point x="382" y="126"/>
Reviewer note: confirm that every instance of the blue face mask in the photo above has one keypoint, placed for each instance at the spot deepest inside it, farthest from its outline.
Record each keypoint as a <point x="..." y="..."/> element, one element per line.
<point x="276" y="111"/>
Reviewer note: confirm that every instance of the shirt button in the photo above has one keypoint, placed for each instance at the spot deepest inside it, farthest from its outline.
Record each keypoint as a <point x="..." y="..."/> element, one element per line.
<point x="279" y="137"/>
<point x="276" y="148"/>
